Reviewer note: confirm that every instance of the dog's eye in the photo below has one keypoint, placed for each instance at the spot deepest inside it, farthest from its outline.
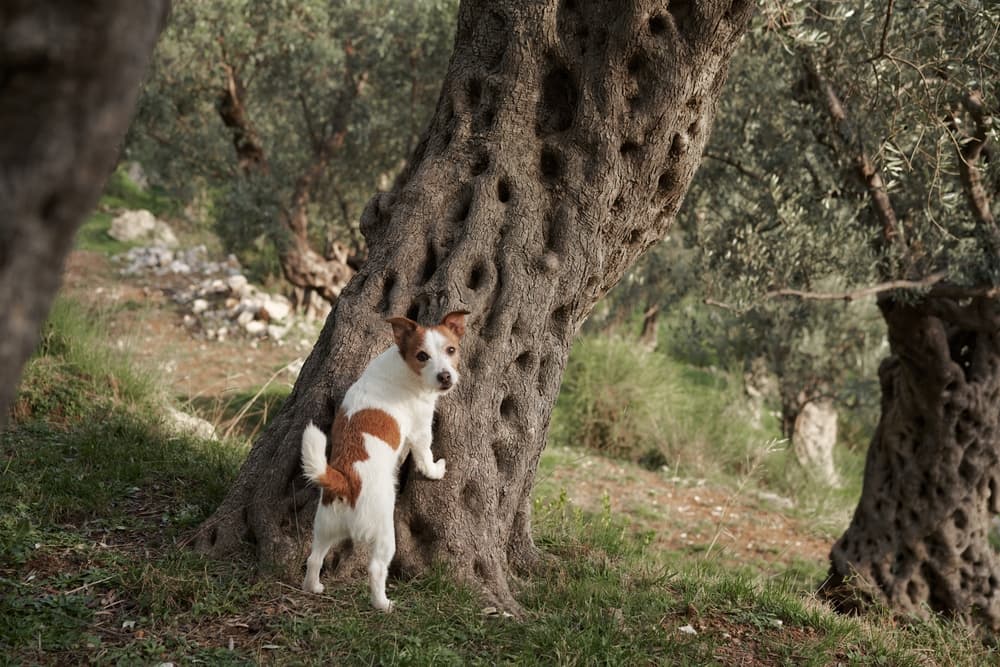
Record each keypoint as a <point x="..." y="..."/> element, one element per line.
<point x="450" y="350"/>
<point x="422" y="356"/>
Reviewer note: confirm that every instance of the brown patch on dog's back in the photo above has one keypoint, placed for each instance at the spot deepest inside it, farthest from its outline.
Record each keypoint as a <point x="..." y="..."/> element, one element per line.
<point x="341" y="481"/>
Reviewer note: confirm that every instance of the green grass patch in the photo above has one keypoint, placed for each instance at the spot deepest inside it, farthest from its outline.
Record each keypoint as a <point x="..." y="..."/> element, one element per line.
<point x="96" y="501"/>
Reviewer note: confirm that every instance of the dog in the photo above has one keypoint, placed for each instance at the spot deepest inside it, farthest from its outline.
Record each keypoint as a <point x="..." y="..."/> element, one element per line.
<point x="385" y="414"/>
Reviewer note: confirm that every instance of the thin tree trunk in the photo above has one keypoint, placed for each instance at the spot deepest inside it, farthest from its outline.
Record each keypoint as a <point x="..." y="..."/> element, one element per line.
<point x="231" y="105"/>
<point x="69" y="77"/>
<point x="918" y="541"/>
<point x="564" y="139"/>
<point x="650" y="331"/>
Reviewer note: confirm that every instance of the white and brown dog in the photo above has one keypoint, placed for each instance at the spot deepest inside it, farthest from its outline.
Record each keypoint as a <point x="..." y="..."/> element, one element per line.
<point x="386" y="413"/>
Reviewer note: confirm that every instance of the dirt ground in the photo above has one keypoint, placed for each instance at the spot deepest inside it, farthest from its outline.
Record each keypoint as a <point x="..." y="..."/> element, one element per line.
<point x="733" y="525"/>
<point x="146" y="321"/>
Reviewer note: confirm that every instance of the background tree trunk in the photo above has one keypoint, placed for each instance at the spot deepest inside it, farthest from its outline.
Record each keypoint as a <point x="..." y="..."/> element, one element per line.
<point x="814" y="439"/>
<point x="918" y="540"/>
<point x="564" y="139"/>
<point x="69" y="77"/>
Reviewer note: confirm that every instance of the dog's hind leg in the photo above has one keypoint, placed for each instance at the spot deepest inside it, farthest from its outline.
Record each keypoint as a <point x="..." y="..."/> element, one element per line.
<point x="383" y="549"/>
<point x="327" y="532"/>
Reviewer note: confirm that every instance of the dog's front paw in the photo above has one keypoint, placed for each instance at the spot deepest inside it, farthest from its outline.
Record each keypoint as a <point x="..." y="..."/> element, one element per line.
<point x="437" y="470"/>
<point x="313" y="587"/>
<point x="384" y="605"/>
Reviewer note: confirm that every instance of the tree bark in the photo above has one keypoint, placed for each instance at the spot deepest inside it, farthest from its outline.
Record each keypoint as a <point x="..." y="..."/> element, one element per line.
<point x="564" y="139"/>
<point x="69" y="77"/>
<point x="918" y="540"/>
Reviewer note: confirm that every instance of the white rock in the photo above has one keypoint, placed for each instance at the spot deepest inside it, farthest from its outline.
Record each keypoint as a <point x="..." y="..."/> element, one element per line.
<point x="183" y="423"/>
<point x="244" y="318"/>
<point x="199" y="306"/>
<point x="688" y="630"/>
<point x="277" y="308"/>
<point x="255" y="327"/>
<point x="141" y="225"/>
<point x="237" y="282"/>
<point x="274" y="332"/>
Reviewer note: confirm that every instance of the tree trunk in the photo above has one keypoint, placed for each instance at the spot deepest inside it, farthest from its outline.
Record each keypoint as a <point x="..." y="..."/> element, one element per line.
<point x="69" y="77"/>
<point x="814" y="439"/>
<point x="650" y="331"/>
<point x="918" y="540"/>
<point x="564" y="139"/>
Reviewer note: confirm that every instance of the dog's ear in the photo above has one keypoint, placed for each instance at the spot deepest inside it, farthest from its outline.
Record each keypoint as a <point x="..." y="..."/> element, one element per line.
<point x="455" y="321"/>
<point x="401" y="326"/>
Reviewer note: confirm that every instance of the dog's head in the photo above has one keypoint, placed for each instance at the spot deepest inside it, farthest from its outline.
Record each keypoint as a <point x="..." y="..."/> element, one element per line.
<point x="432" y="353"/>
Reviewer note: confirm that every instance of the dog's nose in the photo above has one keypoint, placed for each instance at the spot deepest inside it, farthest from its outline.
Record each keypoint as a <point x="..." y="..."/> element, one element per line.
<point x="444" y="377"/>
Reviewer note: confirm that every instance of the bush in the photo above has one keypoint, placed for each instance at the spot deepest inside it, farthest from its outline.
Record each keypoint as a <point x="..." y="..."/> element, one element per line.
<point x="621" y="401"/>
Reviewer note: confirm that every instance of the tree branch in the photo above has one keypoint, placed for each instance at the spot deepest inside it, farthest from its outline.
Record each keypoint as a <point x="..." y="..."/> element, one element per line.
<point x="870" y="176"/>
<point x="734" y="164"/>
<point x="861" y="293"/>
<point x="885" y="28"/>
<point x="970" y="148"/>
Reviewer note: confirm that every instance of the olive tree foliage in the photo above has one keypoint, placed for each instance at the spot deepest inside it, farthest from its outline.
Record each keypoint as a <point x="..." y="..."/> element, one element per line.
<point x="283" y="116"/>
<point x="877" y="175"/>
<point x="768" y="210"/>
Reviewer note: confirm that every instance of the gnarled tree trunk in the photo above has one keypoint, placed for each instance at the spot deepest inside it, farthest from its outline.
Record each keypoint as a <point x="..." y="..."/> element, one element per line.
<point x="564" y="139"/>
<point x="69" y="77"/>
<point x="918" y="540"/>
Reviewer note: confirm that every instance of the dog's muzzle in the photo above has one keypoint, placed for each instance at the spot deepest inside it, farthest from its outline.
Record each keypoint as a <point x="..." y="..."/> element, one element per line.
<point x="444" y="380"/>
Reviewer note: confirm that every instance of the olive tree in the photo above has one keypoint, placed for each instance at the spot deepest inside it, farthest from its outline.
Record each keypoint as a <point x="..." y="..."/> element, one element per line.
<point x="563" y="141"/>
<point x="70" y="75"/>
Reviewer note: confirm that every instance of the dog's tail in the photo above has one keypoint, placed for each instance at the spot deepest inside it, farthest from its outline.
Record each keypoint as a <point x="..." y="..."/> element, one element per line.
<point x="315" y="467"/>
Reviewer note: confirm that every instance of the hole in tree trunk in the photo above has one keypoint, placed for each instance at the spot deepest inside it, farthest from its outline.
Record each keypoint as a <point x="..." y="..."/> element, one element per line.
<point x="557" y="104"/>
<point x="508" y="408"/>
<point x="681" y="11"/>
<point x="503" y="191"/>
<point x="665" y="182"/>
<point x="629" y="148"/>
<point x="387" y="287"/>
<point x="430" y="263"/>
<point x="559" y="321"/>
<point x="678" y="146"/>
<point x="505" y="465"/>
<point x="481" y="162"/>
<point x="463" y="203"/>
<point x="550" y="163"/>
<point x="422" y="531"/>
<point x="525" y="360"/>
<point x="657" y="24"/>
<point x="475" y="91"/>
<point x="477" y="276"/>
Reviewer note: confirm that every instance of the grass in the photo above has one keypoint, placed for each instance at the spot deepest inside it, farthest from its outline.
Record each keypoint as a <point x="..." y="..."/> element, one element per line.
<point x="97" y="499"/>
<point x="621" y="401"/>
<point x="120" y="194"/>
